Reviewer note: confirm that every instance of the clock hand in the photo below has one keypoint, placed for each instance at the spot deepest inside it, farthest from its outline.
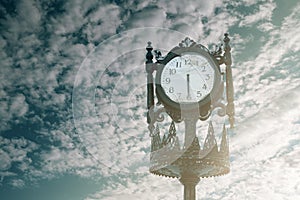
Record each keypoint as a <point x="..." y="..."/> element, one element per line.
<point x="188" y="86"/>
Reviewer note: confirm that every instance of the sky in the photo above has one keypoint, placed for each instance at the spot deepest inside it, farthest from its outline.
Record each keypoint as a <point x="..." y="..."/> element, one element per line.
<point x="73" y="97"/>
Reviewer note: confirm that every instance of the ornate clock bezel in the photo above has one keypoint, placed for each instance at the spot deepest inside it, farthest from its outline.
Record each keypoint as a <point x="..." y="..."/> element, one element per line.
<point x="175" y="108"/>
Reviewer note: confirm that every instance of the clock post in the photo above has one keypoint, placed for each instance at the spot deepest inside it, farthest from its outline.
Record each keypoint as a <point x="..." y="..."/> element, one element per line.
<point x="189" y="87"/>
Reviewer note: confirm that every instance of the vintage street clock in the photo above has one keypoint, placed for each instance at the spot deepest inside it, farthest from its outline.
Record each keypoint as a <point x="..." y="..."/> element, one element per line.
<point x="188" y="79"/>
<point x="189" y="86"/>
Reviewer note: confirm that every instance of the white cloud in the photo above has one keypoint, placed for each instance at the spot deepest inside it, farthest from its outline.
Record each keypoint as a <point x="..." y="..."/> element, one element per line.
<point x="289" y="32"/>
<point x="266" y="27"/>
<point x="147" y="17"/>
<point x="270" y="72"/>
<point x="27" y="21"/>
<point x="104" y="21"/>
<point x="18" y="183"/>
<point x="201" y="7"/>
<point x="18" y="106"/>
<point x="5" y="161"/>
<point x="264" y="13"/>
<point x="14" y="107"/>
<point x="29" y="13"/>
<point x="4" y="174"/>
<point x="15" y="152"/>
<point x="217" y="26"/>
<point x="143" y="187"/>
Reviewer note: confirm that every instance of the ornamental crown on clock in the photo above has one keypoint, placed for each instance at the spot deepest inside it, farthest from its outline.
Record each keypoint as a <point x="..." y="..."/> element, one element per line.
<point x="188" y="78"/>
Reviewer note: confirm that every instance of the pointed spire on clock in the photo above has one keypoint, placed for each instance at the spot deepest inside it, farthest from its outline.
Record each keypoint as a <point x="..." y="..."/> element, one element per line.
<point x="164" y="140"/>
<point x="210" y="140"/>
<point x="156" y="141"/>
<point x="170" y="138"/>
<point x="193" y="149"/>
<point x="224" y="143"/>
<point x="172" y="129"/>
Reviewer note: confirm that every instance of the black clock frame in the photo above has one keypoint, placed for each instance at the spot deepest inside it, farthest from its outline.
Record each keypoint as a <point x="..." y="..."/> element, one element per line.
<point x="175" y="109"/>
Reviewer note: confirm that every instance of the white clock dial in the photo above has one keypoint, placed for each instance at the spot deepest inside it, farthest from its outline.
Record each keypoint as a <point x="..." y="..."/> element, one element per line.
<point x="188" y="78"/>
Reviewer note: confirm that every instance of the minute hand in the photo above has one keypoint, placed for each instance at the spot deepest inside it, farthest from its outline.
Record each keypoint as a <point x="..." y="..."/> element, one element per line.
<point x="188" y="86"/>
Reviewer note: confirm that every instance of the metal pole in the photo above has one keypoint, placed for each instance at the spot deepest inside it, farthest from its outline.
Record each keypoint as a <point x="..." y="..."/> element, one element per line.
<point x="229" y="83"/>
<point x="188" y="178"/>
<point x="189" y="181"/>
<point x="190" y="131"/>
<point x="150" y="88"/>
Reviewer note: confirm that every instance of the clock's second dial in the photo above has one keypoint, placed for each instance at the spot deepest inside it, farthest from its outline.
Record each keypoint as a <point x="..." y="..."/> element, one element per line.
<point x="188" y="78"/>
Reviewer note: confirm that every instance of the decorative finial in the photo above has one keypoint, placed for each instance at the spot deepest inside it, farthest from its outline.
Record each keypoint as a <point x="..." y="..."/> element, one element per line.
<point x="226" y="41"/>
<point x="149" y="55"/>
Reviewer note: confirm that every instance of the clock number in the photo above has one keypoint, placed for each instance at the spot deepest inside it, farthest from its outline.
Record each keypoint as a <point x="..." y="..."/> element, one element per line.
<point x="207" y="77"/>
<point x="191" y="62"/>
<point x="172" y="71"/>
<point x="179" y="95"/>
<point x="168" y="80"/>
<point x="178" y="64"/>
<point x="204" y="87"/>
<point x="199" y="94"/>
<point x="171" y="89"/>
<point x="203" y="68"/>
<point x="187" y="62"/>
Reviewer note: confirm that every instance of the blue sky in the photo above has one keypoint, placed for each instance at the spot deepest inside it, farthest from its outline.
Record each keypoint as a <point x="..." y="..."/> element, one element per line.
<point x="72" y="96"/>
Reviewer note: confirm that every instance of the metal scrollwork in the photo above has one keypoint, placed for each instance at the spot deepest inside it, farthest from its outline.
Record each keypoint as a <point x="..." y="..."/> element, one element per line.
<point x="203" y="47"/>
<point x="158" y="55"/>
<point x="205" y="116"/>
<point x="187" y="42"/>
<point x="156" y="116"/>
<point x="217" y="54"/>
<point x="222" y="106"/>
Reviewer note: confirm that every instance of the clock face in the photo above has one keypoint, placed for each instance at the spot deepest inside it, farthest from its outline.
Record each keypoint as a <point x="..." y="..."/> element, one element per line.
<point x="188" y="78"/>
